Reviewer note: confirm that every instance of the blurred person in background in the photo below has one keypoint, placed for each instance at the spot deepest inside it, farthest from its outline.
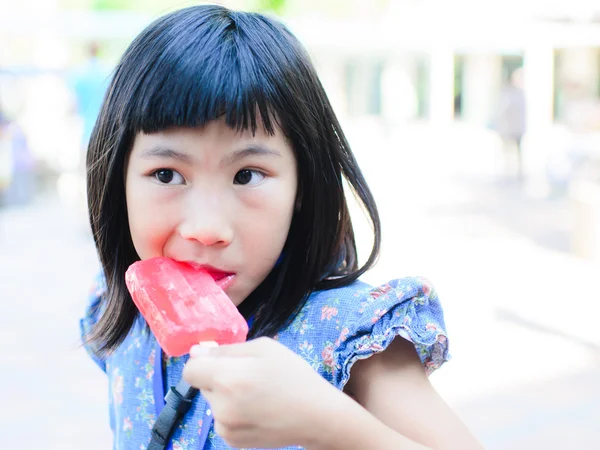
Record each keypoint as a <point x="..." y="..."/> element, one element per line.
<point x="17" y="164"/>
<point x="89" y="85"/>
<point x="6" y="162"/>
<point x="509" y="123"/>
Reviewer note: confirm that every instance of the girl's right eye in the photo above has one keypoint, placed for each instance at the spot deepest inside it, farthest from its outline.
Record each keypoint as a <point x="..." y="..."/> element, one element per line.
<point x="168" y="176"/>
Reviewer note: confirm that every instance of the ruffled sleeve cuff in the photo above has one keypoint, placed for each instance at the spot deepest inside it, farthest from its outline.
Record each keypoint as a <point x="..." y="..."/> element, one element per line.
<point x="407" y="307"/>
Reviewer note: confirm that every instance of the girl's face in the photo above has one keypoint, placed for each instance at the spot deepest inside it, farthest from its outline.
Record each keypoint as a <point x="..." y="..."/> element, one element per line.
<point x="215" y="197"/>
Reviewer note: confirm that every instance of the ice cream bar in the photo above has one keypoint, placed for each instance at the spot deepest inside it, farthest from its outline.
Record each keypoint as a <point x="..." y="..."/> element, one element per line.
<point x="183" y="305"/>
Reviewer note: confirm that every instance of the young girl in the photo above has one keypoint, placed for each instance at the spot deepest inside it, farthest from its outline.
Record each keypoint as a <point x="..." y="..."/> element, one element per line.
<point x="216" y="145"/>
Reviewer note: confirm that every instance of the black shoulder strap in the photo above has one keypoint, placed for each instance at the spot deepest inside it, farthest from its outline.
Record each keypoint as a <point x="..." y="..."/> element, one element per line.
<point x="178" y="401"/>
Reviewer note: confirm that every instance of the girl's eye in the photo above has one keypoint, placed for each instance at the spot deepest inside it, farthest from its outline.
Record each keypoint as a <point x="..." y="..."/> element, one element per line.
<point x="248" y="177"/>
<point x="168" y="176"/>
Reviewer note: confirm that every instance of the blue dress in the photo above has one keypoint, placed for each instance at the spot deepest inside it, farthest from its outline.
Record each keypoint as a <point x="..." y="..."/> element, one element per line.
<point x="333" y="330"/>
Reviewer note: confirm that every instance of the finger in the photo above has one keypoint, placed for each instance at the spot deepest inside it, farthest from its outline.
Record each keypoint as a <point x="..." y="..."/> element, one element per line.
<point x="204" y="372"/>
<point x="213" y="398"/>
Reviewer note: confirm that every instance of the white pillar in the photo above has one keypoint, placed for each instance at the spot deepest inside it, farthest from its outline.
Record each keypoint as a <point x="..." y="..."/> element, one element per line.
<point x="399" y="98"/>
<point x="441" y="99"/>
<point x="539" y="87"/>
<point x="538" y="64"/>
<point x="481" y="85"/>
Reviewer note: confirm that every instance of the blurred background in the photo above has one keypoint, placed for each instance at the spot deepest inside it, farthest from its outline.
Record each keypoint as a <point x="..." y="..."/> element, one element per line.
<point x="477" y="124"/>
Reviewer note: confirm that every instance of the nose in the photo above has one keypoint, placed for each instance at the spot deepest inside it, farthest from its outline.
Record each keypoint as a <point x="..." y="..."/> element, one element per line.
<point x="208" y="222"/>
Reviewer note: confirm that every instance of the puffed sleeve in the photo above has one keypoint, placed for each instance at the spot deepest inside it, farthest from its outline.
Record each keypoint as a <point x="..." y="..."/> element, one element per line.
<point x="407" y="307"/>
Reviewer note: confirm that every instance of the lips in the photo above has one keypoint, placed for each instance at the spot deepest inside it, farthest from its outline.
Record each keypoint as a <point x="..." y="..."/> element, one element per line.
<point x="222" y="278"/>
<point x="226" y="281"/>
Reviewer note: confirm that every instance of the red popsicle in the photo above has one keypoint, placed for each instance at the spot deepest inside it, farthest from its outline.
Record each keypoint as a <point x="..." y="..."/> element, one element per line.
<point x="183" y="305"/>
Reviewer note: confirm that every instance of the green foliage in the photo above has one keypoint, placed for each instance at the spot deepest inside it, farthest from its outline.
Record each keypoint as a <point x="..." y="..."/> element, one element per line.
<point x="151" y="6"/>
<point x="276" y="6"/>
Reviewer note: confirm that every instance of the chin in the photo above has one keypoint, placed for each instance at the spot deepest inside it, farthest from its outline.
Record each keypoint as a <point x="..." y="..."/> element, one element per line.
<point x="236" y="300"/>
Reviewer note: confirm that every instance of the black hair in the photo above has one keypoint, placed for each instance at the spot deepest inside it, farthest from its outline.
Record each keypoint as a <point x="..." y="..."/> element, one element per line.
<point x="204" y="63"/>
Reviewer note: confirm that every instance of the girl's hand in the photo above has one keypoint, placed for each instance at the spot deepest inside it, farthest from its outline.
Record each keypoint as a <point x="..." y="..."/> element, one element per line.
<point x="262" y="394"/>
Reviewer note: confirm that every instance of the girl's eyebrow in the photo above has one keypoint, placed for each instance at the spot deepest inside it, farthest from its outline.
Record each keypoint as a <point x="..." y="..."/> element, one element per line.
<point x="169" y="153"/>
<point x="251" y="150"/>
<point x="166" y="153"/>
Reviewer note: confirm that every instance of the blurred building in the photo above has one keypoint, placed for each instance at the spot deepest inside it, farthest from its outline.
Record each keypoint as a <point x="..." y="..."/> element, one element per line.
<point x="398" y="61"/>
<point x="458" y="54"/>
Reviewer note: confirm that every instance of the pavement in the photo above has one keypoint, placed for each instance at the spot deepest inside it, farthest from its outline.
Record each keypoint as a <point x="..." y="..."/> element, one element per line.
<point x="521" y="310"/>
<point x="53" y="397"/>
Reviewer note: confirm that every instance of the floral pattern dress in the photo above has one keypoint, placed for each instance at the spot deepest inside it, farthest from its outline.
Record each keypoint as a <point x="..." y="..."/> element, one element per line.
<point x="335" y="328"/>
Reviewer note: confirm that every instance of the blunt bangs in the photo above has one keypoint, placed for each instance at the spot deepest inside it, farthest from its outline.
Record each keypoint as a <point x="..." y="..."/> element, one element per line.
<point x="190" y="78"/>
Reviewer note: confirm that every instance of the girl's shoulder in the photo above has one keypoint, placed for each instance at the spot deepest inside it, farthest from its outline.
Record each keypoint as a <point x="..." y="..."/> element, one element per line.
<point x="338" y="326"/>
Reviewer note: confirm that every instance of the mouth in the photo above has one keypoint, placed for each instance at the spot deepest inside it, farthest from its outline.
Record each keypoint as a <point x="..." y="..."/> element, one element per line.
<point x="222" y="278"/>
<point x="225" y="281"/>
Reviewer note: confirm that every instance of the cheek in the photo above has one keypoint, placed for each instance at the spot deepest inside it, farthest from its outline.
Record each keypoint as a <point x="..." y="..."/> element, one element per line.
<point x="267" y="228"/>
<point x="148" y="223"/>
